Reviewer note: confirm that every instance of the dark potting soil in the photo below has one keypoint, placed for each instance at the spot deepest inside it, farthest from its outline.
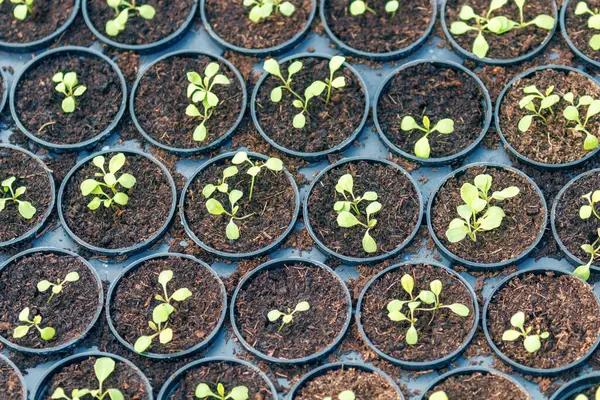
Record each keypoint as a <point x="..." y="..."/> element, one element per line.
<point x="520" y="227"/>
<point x="438" y="92"/>
<point x="229" y="20"/>
<point x="440" y="333"/>
<point x="170" y="16"/>
<point x="161" y="100"/>
<point x="552" y="143"/>
<point x="69" y="312"/>
<point x="273" y="202"/>
<point x="379" y="33"/>
<point x="282" y="289"/>
<point x="577" y="28"/>
<point x="34" y="177"/>
<point x="10" y="383"/>
<point x="47" y="17"/>
<point x="395" y="222"/>
<point x="38" y="104"/>
<point x="119" y="226"/>
<point x="589" y="392"/>
<point x="571" y="311"/>
<point x="478" y="386"/>
<point x="195" y="318"/>
<point x="327" y="125"/>
<point x="512" y="44"/>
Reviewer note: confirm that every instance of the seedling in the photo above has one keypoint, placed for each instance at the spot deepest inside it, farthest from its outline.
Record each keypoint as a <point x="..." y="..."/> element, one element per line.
<point x="214" y="207"/>
<point x="273" y="164"/>
<point x="123" y="10"/>
<point x="57" y="287"/>
<point x="345" y="395"/>
<point x="20" y="331"/>
<point x="263" y="9"/>
<point x="439" y="395"/>
<point x="477" y="200"/>
<point x="103" y="368"/>
<point x="422" y="149"/>
<point x="110" y="181"/>
<point x="26" y="209"/>
<point x="531" y="343"/>
<point x="335" y="64"/>
<point x="237" y="393"/>
<point x="22" y="8"/>
<point x="584" y="397"/>
<point x="547" y="101"/>
<point x="497" y="25"/>
<point x="593" y="22"/>
<point x="359" y="7"/>
<point x="429" y="297"/>
<point x="583" y="271"/>
<point x="222" y="185"/>
<point x="288" y="317"/>
<point x="571" y="114"/>
<point x="586" y="211"/>
<point x="68" y="84"/>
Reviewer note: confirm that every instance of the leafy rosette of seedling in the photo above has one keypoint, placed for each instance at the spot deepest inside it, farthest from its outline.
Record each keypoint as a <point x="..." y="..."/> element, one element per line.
<point x="222" y="185"/>
<point x="571" y="114"/>
<point x="422" y="148"/>
<point x="494" y="25"/>
<point x="429" y="297"/>
<point x="26" y="209"/>
<point x="339" y="82"/>
<point x="263" y="9"/>
<point x="345" y="395"/>
<point x="110" y="182"/>
<point x="287" y="317"/>
<point x="22" y="8"/>
<point x="359" y="7"/>
<point x="57" y="287"/>
<point x="103" y="368"/>
<point x="532" y="343"/>
<point x="584" y="397"/>
<point x="583" y="271"/>
<point x="124" y="10"/>
<point x="20" y="331"/>
<point x="203" y="391"/>
<point x="272" y="164"/>
<point x="547" y="100"/>
<point x="68" y="84"/>
<point x="477" y="214"/>
<point x="214" y="207"/>
<point x="439" y="395"/>
<point x="586" y="210"/>
<point x="593" y="22"/>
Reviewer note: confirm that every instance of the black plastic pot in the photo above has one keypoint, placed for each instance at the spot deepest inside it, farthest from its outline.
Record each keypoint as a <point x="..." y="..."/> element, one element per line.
<point x="3" y="89"/>
<point x="236" y="256"/>
<point x="392" y="55"/>
<point x="497" y="61"/>
<point x="418" y="365"/>
<point x="515" y="365"/>
<point x="355" y="260"/>
<point x="42" y="387"/>
<point x="173" y="382"/>
<point x="267" y="51"/>
<point x="204" y="148"/>
<point x="73" y="343"/>
<point x="520" y="156"/>
<point x="18" y="373"/>
<point x="565" y="34"/>
<point x="125" y="251"/>
<point x="140" y="48"/>
<point x="316" y="155"/>
<point x="33" y="231"/>
<point x="276" y="264"/>
<point x="578" y="385"/>
<point x="477" y="265"/>
<point x="134" y="266"/>
<point x="440" y="160"/>
<point x="66" y="52"/>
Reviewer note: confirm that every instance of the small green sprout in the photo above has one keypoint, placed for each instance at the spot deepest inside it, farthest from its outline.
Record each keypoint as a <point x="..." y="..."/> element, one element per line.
<point x="22" y="8"/>
<point x="586" y="211"/>
<point x="476" y="200"/>
<point x="273" y="164"/>
<point x="215" y="207"/>
<point x="68" y="84"/>
<point x="263" y="9"/>
<point x="288" y="317"/>
<point x="571" y="114"/>
<point x="439" y="395"/>
<point x="531" y="343"/>
<point x="359" y="7"/>
<point x="584" y="397"/>
<point x="593" y="22"/>
<point x="103" y="368"/>
<point x="335" y="64"/>
<point x="22" y="330"/>
<point x="26" y="209"/>
<point x="91" y="186"/>
<point x="583" y="271"/>
<point x="548" y="100"/>
<point x="422" y="149"/>
<point x="222" y="185"/>
<point x="345" y="395"/>
<point x="237" y="393"/>
<point x="123" y="9"/>
<point x="57" y="287"/>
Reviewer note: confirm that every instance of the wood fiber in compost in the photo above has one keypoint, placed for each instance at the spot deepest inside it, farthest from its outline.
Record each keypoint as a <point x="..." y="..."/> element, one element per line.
<point x="578" y="30"/>
<point x="10" y="383"/>
<point x="48" y="16"/>
<point x="478" y="386"/>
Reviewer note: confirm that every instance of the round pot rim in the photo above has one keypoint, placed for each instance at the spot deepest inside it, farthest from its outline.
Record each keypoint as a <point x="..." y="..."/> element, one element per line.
<point x="174" y="378"/>
<point x="574" y="384"/>
<point x="473" y="265"/>
<point x="17" y="372"/>
<point x="262" y="52"/>
<point x="185" y="150"/>
<point x="499" y="61"/>
<point x="366" y="260"/>
<point x="57" y="52"/>
<point x="35" y="229"/>
<point x="236" y="256"/>
<point x="165" y="356"/>
<point x="387" y="56"/>
<point x="278" y="264"/>
<point x="420" y="365"/>
<point x="518" y="366"/>
<point x="317" y="154"/>
<point x="100" y="301"/>
<point x="123" y="250"/>
<point x="506" y="143"/>
<point x="4" y="89"/>
<point x="434" y="160"/>
<point x="565" y="35"/>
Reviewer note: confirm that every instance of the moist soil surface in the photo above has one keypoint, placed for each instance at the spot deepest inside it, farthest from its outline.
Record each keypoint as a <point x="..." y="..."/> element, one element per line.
<point x="161" y="101"/>
<point x="119" y="226"/>
<point x="478" y="386"/>
<point x="34" y="177"/>
<point x="440" y="333"/>
<point x="282" y="289"/>
<point x="577" y="28"/>
<point x="170" y="16"/>
<point x="395" y="222"/>
<point x="48" y="16"/>
<point x="524" y="217"/>
<point x="10" y="383"/>
<point x="379" y="33"/>
<point x="273" y="202"/>
<point x="195" y="318"/>
<point x="438" y="92"/>
<point x="570" y="312"/>
<point x="512" y="44"/>
<point x="229" y="20"/>
<point x="551" y="143"/>
<point x="327" y="125"/>
<point x="38" y="104"/>
<point x="70" y="312"/>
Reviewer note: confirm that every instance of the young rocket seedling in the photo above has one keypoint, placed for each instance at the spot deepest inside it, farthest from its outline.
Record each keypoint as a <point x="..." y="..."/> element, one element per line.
<point x="586" y="211"/>
<point x="26" y="209"/>
<point x="548" y="100"/>
<point x="584" y="397"/>
<point x="68" y="84"/>
<point x="288" y="317"/>
<point x="531" y="343"/>
<point x="22" y="8"/>
<point x="593" y="22"/>
<point x="22" y="330"/>
<point x="439" y="395"/>
<point x="215" y="207"/>
<point x="359" y="7"/>
<point x="335" y="64"/>
<point x="103" y="368"/>
<point x="91" y="186"/>
<point x="57" y="287"/>
<point x="123" y="10"/>
<point x="237" y="393"/>
<point x="571" y="114"/>
<point x="345" y="395"/>
<point x="422" y="149"/>
<point x="583" y="271"/>
<point x="222" y="185"/>
<point x="263" y="9"/>
<point x="273" y="164"/>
